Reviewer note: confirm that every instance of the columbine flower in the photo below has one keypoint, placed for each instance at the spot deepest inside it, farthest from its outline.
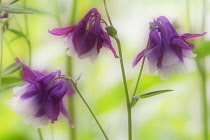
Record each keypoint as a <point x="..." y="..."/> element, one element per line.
<point x="167" y="49"/>
<point x="4" y="15"/>
<point x="87" y="37"/>
<point x="39" y="100"/>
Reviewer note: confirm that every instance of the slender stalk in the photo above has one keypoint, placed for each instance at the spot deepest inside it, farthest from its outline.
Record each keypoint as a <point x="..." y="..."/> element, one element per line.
<point x="52" y="132"/>
<point x="27" y="33"/>
<point x="1" y="52"/>
<point x="126" y="90"/>
<point x="69" y="72"/>
<point x="107" y="13"/>
<point x="202" y="72"/>
<point x="40" y="134"/>
<point x="188" y="14"/>
<point x="57" y="12"/>
<point x="99" y="125"/>
<point x="124" y="77"/>
<point x="141" y="69"/>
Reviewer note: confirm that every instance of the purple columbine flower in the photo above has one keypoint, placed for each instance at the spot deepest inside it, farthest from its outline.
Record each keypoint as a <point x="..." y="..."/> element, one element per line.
<point x="4" y="15"/>
<point x="167" y="50"/>
<point x="39" y="100"/>
<point x="87" y="37"/>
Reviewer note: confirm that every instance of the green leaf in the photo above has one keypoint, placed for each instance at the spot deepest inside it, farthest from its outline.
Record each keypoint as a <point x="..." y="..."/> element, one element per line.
<point x="135" y="99"/>
<point x="9" y="3"/>
<point x="153" y="93"/>
<point x="9" y="81"/>
<point x="9" y="87"/>
<point x="15" y="11"/>
<point x="18" y="33"/>
<point x="203" y="50"/>
<point x="11" y="68"/>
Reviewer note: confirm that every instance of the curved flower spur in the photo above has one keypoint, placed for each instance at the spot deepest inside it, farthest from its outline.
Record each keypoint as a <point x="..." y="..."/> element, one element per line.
<point x="167" y="50"/>
<point x="87" y="37"/>
<point x="39" y="100"/>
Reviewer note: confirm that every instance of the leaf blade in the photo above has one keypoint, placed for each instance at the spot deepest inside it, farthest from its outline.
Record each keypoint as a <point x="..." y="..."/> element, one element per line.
<point x="153" y="93"/>
<point x="11" y="68"/>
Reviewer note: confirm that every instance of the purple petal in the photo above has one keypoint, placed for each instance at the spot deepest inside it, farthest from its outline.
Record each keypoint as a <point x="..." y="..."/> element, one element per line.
<point x="58" y="95"/>
<point x="66" y="114"/>
<point x="31" y="91"/>
<point x="52" y="109"/>
<point x="83" y="42"/>
<point x="187" y="36"/>
<point x="138" y="58"/>
<point x="28" y="74"/>
<point x="62" y="31"/>
<point x="107" y="43"/>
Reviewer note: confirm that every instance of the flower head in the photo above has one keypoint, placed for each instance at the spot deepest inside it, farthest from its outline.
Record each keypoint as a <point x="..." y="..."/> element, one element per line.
<point x="167" y="50"/>
<point x="39" y="100"/>
<point x="87" y="37"/>
<point x="4" y="15"/>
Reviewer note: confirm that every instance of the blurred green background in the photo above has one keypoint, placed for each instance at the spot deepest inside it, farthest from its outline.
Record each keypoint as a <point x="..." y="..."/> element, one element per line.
<point x="171" y="116"/>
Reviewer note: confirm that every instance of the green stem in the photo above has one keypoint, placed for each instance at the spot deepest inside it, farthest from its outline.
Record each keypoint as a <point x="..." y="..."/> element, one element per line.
<point x="52" y="132"/>
<point x="40" y="134"/>
<point x="124" y="77"/>
<point x="126" y="89"/>
<point x="188" y="14"/>
<point x="141" y="69"/>
<point x="69" y="72"/>
<point x="1" y="52"/>
<point x="27" y="33"/>
<point x="57" y="12"/>
<point x="99" y="125"/>
<point x="107" y="13"/>
<point x="204" y="16"/>
<point x="202" y="72"/>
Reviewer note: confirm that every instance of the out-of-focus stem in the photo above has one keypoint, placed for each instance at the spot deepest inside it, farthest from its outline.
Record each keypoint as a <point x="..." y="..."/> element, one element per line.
<point x="123" y="76"/>
<point x="40" y="134"/>
<point x="27" y="34"/>
<point x="202" y="72"/>
<point x="1" y="52"/>
<point x="57" y="12"/>
<point x="188" y="14"/>
<point x="69" y="73"/>
<point x="99" y="125"/>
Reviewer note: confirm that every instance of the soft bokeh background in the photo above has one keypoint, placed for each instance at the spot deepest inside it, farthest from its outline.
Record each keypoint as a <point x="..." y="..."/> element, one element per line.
<point x="175" y="115"/>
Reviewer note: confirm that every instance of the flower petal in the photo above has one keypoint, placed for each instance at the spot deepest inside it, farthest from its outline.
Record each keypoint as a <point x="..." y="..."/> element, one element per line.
<point x="138" y="58"/>
<point x="62" y="31"/>
<point x="187" y="36"/>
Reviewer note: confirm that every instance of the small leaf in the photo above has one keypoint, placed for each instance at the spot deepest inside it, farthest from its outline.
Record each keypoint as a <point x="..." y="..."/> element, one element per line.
<point x="135" y="99"/>
<point x="19" y="34"/>
<point x="9" y="3"/>
<point x="10" y="87"/>
<point x="153" y="93"/>
<point x="15" y="11"/>
<point x="11" y="68"/>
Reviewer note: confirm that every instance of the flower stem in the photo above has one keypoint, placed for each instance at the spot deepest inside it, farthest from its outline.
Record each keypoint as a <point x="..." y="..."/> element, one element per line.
<point x="1" y="52"/>
<point x="126" y="90"/>
<point x="27" y="33"/>
<point x="202" y="72"/>
<point x="99" y="125"/>
<point x="57" y="12"/>
<point x="107" y="13"/>
<point x="124" y="77"/>
<point x="40" y="134"/>
<point x="141" y="69"/>
<point x="69" y="70"/>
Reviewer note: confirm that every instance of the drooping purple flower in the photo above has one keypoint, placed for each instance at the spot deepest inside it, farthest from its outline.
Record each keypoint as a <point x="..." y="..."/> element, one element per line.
<point x="4" y="15"/>
<point x="87" y="37"/>
<point x="167" y="50"/>
<point x="39" y="100"/>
